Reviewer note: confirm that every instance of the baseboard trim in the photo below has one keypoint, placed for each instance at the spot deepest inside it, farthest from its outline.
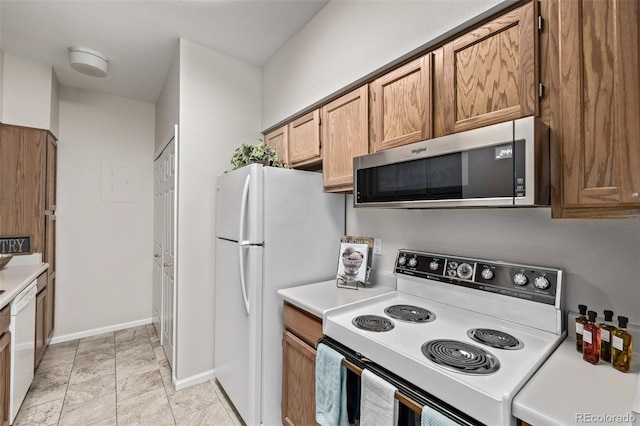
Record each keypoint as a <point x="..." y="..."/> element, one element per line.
<point x="193" y="380"/>
<point x="96" y="331"/>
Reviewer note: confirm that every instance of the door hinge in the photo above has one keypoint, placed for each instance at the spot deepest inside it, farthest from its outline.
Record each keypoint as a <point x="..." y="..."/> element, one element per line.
<point x="540" y="90"/>
<point x="540" y="23"/>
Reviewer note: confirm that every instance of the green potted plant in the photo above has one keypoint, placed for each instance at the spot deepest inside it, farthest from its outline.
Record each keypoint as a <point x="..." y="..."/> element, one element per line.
<point x="261" y="153"/>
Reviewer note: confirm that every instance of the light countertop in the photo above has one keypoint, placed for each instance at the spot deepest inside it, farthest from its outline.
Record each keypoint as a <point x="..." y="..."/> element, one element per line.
<point x="15" y="278"/>
<point x="319" y="297"/>
<point x="567" y="390"/>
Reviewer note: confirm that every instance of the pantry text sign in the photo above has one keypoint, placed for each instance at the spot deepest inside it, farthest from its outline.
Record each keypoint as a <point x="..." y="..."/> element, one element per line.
<point x="15" y="245"/>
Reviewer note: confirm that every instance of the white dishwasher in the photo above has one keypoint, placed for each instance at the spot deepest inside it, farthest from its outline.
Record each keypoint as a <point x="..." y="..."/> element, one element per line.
<point x="23" y="342"/>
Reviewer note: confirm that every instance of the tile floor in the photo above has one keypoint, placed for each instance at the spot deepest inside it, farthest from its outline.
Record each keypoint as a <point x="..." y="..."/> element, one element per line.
<point x="118" y="378"/>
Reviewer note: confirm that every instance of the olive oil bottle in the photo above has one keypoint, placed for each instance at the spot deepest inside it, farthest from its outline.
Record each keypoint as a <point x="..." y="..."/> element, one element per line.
<point x="622" y="346"/>
<point x="591" y="340"/>
<point x="606" y="331"/>
<point x="581" y="321"/>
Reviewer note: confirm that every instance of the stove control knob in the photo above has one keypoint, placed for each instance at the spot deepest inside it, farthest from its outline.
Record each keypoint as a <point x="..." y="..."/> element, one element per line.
<point x="487" y="273"/>
<point x="465" y="271"/>
<point x="453" y="265"/>
<point x="452" y="272"/>
<point x="434" y="265"/>
<point x="541" y="282"/>
<point x="520" y="279"/>
<point x="413" y="262"/>
<point x="402" y="260"/>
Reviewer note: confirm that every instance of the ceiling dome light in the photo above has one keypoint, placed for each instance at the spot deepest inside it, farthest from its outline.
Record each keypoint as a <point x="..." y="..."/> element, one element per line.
<point x="88" y="61"/>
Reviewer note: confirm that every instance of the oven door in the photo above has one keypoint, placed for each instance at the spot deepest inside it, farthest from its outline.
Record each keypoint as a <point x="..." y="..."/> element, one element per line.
<point x="410" y="397"/>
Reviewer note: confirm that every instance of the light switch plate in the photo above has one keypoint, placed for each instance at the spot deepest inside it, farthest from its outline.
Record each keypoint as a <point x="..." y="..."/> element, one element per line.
<point x="377" y="246"/>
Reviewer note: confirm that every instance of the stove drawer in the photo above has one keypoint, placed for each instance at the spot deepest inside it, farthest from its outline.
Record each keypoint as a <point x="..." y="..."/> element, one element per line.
<point x="304" y="325"/>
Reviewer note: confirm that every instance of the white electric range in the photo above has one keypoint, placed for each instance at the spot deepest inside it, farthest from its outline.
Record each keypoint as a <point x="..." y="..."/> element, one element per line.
<point x="466" y="333"/>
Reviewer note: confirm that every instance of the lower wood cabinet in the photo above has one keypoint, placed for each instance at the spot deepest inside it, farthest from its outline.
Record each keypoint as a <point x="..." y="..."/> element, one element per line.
<point x="5" y="364"/>
<point x="41" y="325"/>
<point x="301" y="331"/>
<point x="42" y="318"/>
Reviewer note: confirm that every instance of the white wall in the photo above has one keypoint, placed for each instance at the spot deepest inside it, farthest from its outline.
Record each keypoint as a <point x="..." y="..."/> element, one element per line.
<point x="346" y="41"/>
<point x="219" y="109"/>
<point x="27" y="93"/>
<point x="105" y="250"/>
<point x="599" y="256"/>
<point x="168" y="103"/>
<point x="54" y="112"/>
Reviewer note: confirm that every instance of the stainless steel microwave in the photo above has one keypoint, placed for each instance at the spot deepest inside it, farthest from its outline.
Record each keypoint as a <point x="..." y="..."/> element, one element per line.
<point x="502" y="165"/>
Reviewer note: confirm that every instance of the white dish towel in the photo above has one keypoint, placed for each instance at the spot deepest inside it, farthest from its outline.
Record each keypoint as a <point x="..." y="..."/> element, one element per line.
<point x="378" y="405"/>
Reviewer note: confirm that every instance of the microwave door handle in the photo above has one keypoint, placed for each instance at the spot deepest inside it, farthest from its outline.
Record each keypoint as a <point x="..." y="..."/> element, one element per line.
<point x="242" y="245"/>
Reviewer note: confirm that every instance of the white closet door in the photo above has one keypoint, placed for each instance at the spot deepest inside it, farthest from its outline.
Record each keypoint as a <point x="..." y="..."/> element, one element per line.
<point x="168" y="251"/>
<point x="158" y="225"/>
<point x="164" y="265"/>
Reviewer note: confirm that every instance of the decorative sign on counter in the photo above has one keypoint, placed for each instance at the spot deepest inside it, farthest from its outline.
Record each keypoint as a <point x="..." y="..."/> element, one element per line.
<point x="14" y="245"/>
<point x="354" y="263"/>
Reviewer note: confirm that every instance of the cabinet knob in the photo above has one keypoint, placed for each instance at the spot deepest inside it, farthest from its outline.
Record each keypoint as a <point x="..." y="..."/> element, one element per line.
<point x="636" y="195"/>
<point x="168" y="264"/>
<point x="157" y="255"/>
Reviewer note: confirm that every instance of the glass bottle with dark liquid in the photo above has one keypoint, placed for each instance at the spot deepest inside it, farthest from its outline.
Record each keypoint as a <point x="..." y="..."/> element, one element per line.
<point x="622" y="346"/>
<point x="606" y="331"/>
<point x="591" y="340"/>
<point x="581" y="321"/>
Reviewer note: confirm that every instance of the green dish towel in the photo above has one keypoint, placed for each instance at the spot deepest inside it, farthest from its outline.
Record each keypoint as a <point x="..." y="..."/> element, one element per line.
<point x="331" y="387"/>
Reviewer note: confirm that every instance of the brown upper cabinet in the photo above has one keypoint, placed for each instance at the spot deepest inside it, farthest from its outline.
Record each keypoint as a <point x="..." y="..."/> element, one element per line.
<point x="595" y="107"/>
<point x="345" y="132"/>
<point x="304" y="140"/>
<point x="489" y="75"/>
<point x="401" y="105"/>
<point x="23" y="176"/>
<point x="279" y="140"/>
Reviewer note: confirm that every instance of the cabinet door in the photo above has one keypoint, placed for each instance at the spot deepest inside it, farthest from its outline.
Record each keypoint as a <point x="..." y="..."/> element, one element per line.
<point x="401" y="105"/>
<point x="304" y="139"/>
<point x="298" y="381"/>
<point x="22" y="173"/>
<point x="279" y="140"/>
<point x="5" y="377"/>
<point x="51" y="307"/>
<point x="599" y="106"/>
<point x="50" y="242"/>
<point x="345" y="135"/>
<point x="41" y="325"/>
<point x="490" y="73"/>
<point x="52" y="159"/>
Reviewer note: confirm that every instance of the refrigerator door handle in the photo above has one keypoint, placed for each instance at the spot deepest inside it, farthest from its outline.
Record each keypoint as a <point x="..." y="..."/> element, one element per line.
<point x="243" y="244"/>
<point x="243" y="210"/>
<point x="243" y="280"/>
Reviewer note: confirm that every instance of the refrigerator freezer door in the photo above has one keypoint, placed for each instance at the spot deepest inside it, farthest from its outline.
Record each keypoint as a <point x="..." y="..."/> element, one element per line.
<point x="238" y="339"/>
<point x="232" y="199"/>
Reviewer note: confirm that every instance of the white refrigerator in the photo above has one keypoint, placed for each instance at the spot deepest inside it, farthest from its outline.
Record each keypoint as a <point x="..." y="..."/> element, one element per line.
<point x="275" y="228"/>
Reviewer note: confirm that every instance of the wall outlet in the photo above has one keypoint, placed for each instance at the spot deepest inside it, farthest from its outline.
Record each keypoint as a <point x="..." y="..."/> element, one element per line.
<point x="377" y="246"/>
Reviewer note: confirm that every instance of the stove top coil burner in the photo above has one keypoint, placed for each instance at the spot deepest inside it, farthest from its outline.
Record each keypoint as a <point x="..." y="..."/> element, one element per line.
<point x="460" y="357"/>
<point x="410" y="313"/>
<point x="495" y="339"/>
<point x="373" y="323"/>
